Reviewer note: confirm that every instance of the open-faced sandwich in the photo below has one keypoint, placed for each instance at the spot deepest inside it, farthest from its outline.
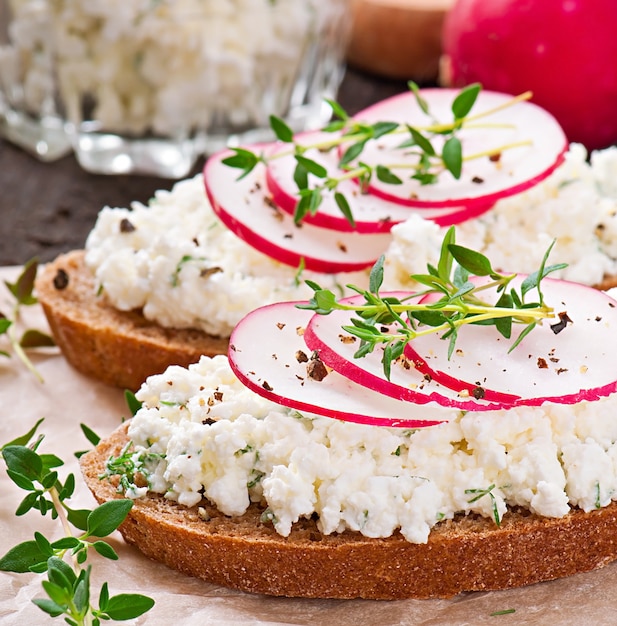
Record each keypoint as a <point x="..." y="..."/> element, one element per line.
<point x="387" y="445"/>
<point x="166" y="283"/>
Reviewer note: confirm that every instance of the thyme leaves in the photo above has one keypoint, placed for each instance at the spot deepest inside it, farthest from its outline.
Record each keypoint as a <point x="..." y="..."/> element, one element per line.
<point x="451" y="296"/>
<point x="68" y="583"/>
<point x="22" y="292"/>
<point x="430" y="151"/>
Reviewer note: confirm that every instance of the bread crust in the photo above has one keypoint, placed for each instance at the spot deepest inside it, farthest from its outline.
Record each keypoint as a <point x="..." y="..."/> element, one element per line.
<point x="119" y="348"/>
<point x="469" y="553"/>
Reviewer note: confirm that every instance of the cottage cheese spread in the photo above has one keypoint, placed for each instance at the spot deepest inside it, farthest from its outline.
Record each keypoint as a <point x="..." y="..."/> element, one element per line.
<point x="205" y="431"/>
<point x="176" y="259"/>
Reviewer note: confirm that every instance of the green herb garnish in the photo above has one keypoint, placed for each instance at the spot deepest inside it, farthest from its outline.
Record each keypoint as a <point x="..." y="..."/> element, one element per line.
<point x="255" y="478"/>
<point x="458" y="301"/>
<point x="503" y="612"/>
<point x="22" y="291"/>
<point x="132" y="402"/>
<point x="427" y="162"/>
<point x="132" y="468"/>
<point x="68" y="583"/>
<point x="598" y="502"/>
<point x="299" y="272"/>
<point x="477" y="494"/>
<point x="187" y="258"/>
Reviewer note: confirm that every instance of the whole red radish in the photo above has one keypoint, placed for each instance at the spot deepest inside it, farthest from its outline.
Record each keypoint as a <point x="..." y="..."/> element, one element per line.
<point x="565" y="51"/>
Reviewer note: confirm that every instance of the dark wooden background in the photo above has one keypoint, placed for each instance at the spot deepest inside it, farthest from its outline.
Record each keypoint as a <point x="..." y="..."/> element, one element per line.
<point x="49" y="208"/>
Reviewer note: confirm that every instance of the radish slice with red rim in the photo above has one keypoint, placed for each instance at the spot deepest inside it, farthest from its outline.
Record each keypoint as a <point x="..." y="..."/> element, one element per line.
<point x="475" y="389"/>
<point x="336" y="348"/>
<point x="246" y="208"/>
<point x="571" y="366"/>
<point x="482" y="180"/>
<point x="371" y="213"/>
<point x="268" y="354"/>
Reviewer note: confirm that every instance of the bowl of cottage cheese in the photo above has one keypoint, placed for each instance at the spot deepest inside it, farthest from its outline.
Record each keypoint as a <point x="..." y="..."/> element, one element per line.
<point x="148" y="86"/>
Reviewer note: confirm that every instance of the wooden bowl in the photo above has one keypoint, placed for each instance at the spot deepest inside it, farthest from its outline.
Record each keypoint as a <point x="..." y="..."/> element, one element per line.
<point x="398" y="39"/>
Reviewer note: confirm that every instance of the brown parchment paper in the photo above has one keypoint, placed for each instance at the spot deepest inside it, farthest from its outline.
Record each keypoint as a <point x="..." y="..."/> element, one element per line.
<point x="67" y="399"/>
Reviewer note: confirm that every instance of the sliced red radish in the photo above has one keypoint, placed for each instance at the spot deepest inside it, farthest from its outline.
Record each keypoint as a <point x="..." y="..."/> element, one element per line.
<point x="475" y="389"/>
<point x="565" y="367"/>
<point x="371" y="213"/>
<point x="568" y="367"/>
<point x="484" y="179"/>
<point x="268" y="355"/>
<point x="246" y="208"/>
<point x="408" y="380"/>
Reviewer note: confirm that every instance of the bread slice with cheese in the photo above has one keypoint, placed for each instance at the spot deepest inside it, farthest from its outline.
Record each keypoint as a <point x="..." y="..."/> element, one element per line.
<point x="469" y="553"/>
<point x="119" y="348"/>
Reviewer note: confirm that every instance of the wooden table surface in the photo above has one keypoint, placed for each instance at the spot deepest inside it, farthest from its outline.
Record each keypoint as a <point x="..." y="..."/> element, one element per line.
<point x="49" y="208"/>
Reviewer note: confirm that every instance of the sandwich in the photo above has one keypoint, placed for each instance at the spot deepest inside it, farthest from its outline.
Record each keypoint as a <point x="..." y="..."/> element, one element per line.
<point x="301" y="465"/>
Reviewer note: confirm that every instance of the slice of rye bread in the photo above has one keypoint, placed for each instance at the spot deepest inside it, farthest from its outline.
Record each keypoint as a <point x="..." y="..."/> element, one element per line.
<point x="119" y="348"/>
<point x="469" y="553"/>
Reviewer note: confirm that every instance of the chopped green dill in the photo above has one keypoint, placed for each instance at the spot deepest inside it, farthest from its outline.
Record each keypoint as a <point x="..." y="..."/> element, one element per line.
<point x="168" y="403"/>
<point x="187" y="258"/>
<point x="503" y="612"/>
<point x="268" y="516"/>
<point x="565" y="183"/>
<point x="129" y="467"/>
<point x="598" y="496"/>
<point x="300" y="416"/>
<point x="257" y="475"/>
<point x="477" y="494"/>
<point x="365" y="516"/>
<point x="247" y="448"/>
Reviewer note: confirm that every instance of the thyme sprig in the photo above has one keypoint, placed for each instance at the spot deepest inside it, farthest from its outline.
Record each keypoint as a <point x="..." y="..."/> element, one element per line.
<point x="449" y="300"/>
<point x="22" y="292"/>
<point x="426" y="161"/>
<point x="67" y="585"/>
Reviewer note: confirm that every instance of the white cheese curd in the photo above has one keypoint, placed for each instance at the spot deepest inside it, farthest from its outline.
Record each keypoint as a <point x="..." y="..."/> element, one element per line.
<point x="576" y="206"/>
<point x="166" y="66"/>
<point x="205" y="433"/>
<point x="177" y="261"/>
